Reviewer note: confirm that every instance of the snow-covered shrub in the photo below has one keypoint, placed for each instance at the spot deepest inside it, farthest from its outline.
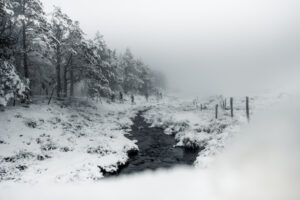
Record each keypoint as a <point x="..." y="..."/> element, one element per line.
<point x="65" y="149"/>
<point x="54" y="120"/>
<point x="48" y="146"/>
<point x="99" y="150"/>
<point x="11" y="85"/>
<point x="20" y="155"/>
<point x="191" y="140"/>
<point x="218" y="126"/>
<point x="176" y="127"/>
<point x="31" y="123"/>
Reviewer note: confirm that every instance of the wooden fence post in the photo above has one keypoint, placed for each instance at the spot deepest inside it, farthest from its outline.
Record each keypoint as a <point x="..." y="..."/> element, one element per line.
<point x="247" y="109"/>
<point x="217" y="111"/>
<point x="231" y="106"/>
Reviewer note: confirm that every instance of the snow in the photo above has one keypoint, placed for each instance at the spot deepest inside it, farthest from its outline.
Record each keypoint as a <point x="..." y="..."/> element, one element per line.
<point x="10" y="83"/>
<point x="262" y="163"/>
<point x="72" y="144"/>
<point x="198" y="129"/>
<point x="260" y="160"/>
<point x="55" y="143"/>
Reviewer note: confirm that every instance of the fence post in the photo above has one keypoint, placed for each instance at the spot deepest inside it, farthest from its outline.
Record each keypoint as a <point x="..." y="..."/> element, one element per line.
<point x="217" y="111"/>
<point x="231" y="106"/>
<point x="247" y="109"/>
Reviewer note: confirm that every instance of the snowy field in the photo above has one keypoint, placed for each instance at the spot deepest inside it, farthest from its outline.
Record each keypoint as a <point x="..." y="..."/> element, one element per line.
<point x="261" y="163"/>
<point x="58" y="143"/>
<point x="56" y="150"/>
<point x="199" y="129"/>
<point x="71" y="144"/>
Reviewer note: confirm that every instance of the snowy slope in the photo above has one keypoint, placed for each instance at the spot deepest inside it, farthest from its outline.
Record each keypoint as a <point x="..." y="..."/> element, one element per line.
<point x="57" y="143"/>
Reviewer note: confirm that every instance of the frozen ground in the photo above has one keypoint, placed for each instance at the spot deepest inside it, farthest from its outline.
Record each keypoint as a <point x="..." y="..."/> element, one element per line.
<point x="199" y="129"/>
<point x="262" y="163"/>
<point x="59" y="144"/>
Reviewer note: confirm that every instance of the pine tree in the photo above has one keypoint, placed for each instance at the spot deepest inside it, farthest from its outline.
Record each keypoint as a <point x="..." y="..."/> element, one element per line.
<point x="60" y="29"/>
<point x="131" y="79"/>
<point x="11" y="85"/>
<point x="30" y="18"/>
<point x="55" y="53"/>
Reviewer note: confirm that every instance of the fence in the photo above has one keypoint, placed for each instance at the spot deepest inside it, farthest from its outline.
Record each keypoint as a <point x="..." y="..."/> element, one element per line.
<point x="223" y="105"/>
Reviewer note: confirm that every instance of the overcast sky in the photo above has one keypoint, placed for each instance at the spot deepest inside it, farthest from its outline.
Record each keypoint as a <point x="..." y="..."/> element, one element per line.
<point x="204" y="46"/>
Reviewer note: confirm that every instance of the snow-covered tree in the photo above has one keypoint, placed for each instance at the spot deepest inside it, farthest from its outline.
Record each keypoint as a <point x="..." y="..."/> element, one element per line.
<point x="75" y="56"/>
<point x="11" y="85"/>
<point x="131" y="81"/>
<point x="29" y="20"/>
<point x="60" y="30"/>
<point x="24" y="25"/>
<point x="53" y="52"/>
<point x="98" y="84"/>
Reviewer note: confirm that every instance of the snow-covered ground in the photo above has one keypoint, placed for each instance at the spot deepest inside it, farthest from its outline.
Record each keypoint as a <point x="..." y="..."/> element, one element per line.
<point x="262" y="163"/>
<point x="61" y="144"/>
<point x="58" y="143"/>
<point x="199" y="129"/>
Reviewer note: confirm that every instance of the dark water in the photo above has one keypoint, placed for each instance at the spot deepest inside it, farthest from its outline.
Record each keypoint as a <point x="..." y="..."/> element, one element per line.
<point x="156" y="149"/>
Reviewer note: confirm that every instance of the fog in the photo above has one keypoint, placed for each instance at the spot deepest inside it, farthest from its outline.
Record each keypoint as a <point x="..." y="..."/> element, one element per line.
<point x="203" y="46"/>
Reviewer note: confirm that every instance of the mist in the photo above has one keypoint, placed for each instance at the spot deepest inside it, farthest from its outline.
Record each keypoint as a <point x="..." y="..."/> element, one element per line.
<point x="203" y="47"/>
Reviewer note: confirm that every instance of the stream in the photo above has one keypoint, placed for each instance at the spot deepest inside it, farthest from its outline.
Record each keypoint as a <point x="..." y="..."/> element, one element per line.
<point x="156" y="149"/>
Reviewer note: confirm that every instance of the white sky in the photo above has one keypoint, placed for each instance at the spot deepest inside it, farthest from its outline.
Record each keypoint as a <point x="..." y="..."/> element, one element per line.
<point x="220" y="43"/>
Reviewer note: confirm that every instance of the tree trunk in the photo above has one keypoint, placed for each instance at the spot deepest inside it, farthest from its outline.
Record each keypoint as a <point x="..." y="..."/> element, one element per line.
<point x="67" y="65"/>
<point x="247" y="109"/>
<point x="231" y="107"/>
<point x="25" y="57"/>
<point x="65" y="81"/>
<point x="58" y="62"/>
<point x="71" y="80"/>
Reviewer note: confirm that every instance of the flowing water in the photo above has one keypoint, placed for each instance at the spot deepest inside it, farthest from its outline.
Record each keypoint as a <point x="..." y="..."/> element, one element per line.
<point x="156" y="149"/>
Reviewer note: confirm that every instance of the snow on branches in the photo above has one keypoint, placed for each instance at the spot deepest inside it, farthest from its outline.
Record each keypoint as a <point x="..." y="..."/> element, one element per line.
<point x="11" y="85"/>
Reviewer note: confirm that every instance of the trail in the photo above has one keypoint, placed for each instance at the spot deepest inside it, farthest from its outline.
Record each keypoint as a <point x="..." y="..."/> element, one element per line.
<point x="157" y="150"/>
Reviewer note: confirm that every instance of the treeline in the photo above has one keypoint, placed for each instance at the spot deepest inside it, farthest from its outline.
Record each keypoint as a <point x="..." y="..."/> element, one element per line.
<point x="41" y="54"/>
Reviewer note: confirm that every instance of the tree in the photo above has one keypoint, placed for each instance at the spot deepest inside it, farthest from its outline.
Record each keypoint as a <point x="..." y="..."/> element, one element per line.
<point x="11" y="85"/>
<point x="26" y="25"/>
<point x="76" y="44"/>
<point x="55" y="53"/>
<point x="100" y="71"/>
<point x="131" y="78"/>
<point x="60" y="30"/>
<point x="31" y="20"/>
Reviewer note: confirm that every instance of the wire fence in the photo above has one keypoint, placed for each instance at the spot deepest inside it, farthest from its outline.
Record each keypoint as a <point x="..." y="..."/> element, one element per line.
<point x="223" y="105"/>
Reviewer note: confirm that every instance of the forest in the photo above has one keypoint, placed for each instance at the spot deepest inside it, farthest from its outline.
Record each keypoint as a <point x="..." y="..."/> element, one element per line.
<point x="48" y="53"/>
